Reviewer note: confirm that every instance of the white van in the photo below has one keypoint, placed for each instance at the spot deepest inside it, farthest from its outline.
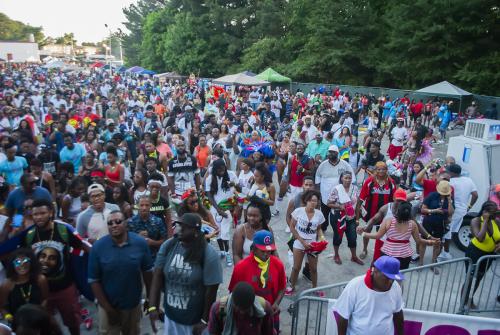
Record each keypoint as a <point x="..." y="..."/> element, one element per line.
<point x="478" y="153"/>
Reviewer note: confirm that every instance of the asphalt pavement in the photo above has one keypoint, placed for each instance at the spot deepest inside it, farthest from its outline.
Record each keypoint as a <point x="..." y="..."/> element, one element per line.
<point x="328" y="271"/>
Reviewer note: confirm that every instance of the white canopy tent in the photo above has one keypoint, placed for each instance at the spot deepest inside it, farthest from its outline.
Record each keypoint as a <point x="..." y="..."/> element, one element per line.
<point x="240" y="79"/>
<point x="445" y="89"/>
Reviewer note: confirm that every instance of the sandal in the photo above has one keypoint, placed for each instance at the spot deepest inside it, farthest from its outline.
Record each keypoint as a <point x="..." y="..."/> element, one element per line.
<point x="289" y="291"/>
<point x="363" y="255"/>
<point x="337" y="260"/>
<point x="357" y="261"/>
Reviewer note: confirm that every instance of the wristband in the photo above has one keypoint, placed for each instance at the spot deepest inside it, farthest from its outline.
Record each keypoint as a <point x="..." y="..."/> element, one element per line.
<point x="151" y="309"/>
<point x="204" y="322"/>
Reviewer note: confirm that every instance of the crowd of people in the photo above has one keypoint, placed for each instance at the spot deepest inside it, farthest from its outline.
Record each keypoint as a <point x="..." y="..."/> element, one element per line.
<point x="114" y="186"/>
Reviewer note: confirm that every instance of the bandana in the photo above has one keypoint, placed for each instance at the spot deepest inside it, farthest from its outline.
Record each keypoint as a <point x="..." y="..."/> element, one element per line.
<point x="97" y="173"/>
<point x="368" y="279"/>
<point x="264" y="267"/>
<point x="188" y="193"/>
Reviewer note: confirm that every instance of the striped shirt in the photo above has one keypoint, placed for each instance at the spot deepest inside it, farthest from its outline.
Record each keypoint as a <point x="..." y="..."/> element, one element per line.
<point x="398" y="244"/>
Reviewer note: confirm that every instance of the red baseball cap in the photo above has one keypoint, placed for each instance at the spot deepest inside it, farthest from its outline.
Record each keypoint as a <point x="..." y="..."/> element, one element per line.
<point x="400" y="194"/>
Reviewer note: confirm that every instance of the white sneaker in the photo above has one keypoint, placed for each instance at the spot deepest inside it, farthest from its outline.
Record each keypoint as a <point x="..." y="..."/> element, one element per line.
<point x="444" y="256"/>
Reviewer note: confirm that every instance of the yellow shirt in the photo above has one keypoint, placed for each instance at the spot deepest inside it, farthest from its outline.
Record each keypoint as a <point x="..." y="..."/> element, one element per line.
<point x="489" y="242"/>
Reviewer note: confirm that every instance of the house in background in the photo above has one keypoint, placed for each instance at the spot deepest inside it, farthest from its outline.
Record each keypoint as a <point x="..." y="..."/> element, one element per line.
<point x="19" y="52"/>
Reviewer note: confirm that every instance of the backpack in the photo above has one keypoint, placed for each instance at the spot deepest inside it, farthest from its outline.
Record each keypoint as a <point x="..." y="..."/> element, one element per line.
<point x="223" y="304"/>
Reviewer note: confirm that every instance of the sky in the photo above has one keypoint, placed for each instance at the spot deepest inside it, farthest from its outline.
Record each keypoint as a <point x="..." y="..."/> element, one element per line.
<point x="84" y="18"/>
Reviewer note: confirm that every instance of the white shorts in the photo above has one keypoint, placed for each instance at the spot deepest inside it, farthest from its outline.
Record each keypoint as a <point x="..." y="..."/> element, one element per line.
<point x="173" y="328"/>
<point x="294" y="190"/>
<point x="300" y="246"/>
<point x="456" y="222"/>
<point x="224" y="224"/>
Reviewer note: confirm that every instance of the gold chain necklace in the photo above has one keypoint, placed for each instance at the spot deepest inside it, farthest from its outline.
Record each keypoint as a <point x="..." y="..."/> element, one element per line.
<point x="26" y="295"/>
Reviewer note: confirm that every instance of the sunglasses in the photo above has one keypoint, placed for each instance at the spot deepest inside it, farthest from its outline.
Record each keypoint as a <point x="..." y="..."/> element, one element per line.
<point x="115" y="222"/>
<point x="20" y="261"/>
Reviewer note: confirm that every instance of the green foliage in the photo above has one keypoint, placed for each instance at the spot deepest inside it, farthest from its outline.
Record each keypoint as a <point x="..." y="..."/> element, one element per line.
<point x="11" y="30"/>
<point x="392" y="43"/>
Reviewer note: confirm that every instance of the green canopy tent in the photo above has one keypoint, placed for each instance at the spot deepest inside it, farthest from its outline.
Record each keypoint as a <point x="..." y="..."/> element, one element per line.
<point x="273" y="77"/>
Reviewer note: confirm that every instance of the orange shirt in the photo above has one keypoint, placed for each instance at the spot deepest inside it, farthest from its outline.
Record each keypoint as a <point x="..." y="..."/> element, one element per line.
<point x="160" y="110"/>
<point x="202" y="155"/>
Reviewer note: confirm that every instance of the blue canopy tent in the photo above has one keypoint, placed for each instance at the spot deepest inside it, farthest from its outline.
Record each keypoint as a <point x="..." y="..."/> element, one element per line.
<point x="135" y="69"/>
<point x="148" y="72"/>
<point x="121" y="69"/>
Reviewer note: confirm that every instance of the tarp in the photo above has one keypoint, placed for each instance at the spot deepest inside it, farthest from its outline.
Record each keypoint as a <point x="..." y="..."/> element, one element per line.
<point x="148" y="72"/>
<point x="168" y="75"/>
<point x="97" y="64"/>
<point x="57" y="64"/>
<point x="240" y="79"/>
<point x="444" y="88"/>
<point x="273" y="77"/>
<point x="135" y="69"/>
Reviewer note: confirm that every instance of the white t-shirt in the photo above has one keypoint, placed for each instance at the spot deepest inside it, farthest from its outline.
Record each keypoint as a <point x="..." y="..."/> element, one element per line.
<point x="399" y="135"/>
<point x="307" y="229"/>
<point x="244" y="181"/>
<point x="328" y="175"/>
<point x="369" y="311"/>
<point x="221" y="194"/>
<point x="463" y="187"/>
<point x="98" y="224"/>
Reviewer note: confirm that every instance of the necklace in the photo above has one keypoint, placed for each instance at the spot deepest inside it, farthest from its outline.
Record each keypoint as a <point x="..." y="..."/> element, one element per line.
<point x="26" y="295"/>
<point x="51" y="234"/>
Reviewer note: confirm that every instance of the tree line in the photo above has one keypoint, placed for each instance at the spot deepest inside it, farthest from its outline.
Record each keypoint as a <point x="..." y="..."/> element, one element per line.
<point x="390" y="43"/>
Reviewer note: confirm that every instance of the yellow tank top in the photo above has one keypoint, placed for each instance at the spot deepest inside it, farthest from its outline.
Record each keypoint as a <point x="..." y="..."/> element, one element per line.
<point x="488" y="244"/>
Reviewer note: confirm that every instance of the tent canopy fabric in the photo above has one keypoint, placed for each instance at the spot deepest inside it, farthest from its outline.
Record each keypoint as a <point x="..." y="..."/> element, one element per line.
<point x="135" y="69"/>
<point x="240" y="79"/>
<point x="57" y="64"/>
<point x="97" y="64"/>
<point x="273" y="77"/>
<point x="148" y="72"/>
<point x="249" y="73"/>
<point x="168" y="75"/>
<point x="444" y="88"/>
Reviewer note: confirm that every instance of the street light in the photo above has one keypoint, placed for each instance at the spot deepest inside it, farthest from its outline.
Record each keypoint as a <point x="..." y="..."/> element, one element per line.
<point x="110" y="54"/>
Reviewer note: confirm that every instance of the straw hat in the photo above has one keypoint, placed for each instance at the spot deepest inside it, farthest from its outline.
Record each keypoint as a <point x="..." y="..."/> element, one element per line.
<point x="443" y="188"/>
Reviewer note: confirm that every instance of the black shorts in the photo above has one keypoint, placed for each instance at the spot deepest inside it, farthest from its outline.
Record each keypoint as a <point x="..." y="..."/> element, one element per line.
<point x="435" y="229"/>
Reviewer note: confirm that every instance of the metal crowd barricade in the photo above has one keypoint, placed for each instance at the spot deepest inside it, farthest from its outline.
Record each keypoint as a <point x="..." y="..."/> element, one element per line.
<point x="488" y="287"/>
<point x="423" y="289"/>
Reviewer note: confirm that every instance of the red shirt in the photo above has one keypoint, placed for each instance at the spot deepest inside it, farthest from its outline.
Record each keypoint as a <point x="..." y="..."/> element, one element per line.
<point x="247" y="270"/>
<point x="418" y="108"/>
<point x="297" y="179"/>
<point x="429" y="186"/>
<point x="375" y="196"/>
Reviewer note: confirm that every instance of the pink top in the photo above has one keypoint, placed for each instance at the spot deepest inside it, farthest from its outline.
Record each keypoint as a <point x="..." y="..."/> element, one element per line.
<point x="398" y="244"/>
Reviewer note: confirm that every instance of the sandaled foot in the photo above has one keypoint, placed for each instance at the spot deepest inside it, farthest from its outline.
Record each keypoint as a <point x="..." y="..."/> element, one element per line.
<point x="363" y="255"/>
<point x="337" y="260"/>
<point x="357" y="261"/>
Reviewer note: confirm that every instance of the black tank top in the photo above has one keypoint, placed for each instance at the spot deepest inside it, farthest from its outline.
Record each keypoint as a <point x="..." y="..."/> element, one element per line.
<point x="23" y="294"/>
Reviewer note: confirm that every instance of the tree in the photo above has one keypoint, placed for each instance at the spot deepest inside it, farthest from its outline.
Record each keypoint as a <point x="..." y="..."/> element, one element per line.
<point x="11" y="30"/>
<point x="136" y="19"/>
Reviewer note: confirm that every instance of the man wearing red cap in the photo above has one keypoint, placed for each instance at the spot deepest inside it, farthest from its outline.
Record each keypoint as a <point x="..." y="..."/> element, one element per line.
<point x="262" y="270"/>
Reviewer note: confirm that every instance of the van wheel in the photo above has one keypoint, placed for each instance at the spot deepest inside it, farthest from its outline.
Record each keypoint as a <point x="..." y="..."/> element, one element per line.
<point x="464" y="235"/>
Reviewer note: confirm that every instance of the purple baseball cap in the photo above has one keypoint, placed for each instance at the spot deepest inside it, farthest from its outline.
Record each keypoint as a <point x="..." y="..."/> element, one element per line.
<point x="389" y="266"/>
